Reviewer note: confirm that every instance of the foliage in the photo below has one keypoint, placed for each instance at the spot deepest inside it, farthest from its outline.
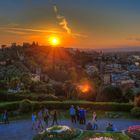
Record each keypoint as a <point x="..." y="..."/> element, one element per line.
<point x="129" y="94"/>
<point x="70" y="89"/>
<point x="4" y="96"/>
<point x="134" y="132"/>
<point x="111" y="94"/>
<point x="137" y="100"/>
<point x="41" y="87"/>
<point x="135" y="111"/>
<point x="66" y="105"/>
<point x="25" y="106"/>
<point x="87" y="135"/>
<point x="9" y="106"/>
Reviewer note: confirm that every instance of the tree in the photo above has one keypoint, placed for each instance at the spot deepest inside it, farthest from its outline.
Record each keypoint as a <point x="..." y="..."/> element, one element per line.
<point x="73" y="74"/>
<point x="25" y="78"/>
<point x="70" y="90"/>
<point x="111" y="94"/>
<point x="41" y="87"/>
<point x="129" y="94"/>
<point x="137" y="100"/>
<point x="96" y="80"/>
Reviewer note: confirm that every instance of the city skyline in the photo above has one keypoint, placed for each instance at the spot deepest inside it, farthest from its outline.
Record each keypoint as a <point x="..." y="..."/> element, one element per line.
<point x="84" y="24"/>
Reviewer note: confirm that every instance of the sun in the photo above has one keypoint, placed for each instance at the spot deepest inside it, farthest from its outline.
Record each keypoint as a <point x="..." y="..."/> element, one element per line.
<point x="54" y="41"/>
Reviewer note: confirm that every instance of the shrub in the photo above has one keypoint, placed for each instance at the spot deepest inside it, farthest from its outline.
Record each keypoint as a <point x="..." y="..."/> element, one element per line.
<point x="134" y="132"/>
<point x="25" y="106"/>
<point x="9" y="106"/>
<point x="136" y="111"/>
<point x="111" y="94"/>
<point x="48" y="97"/>
<point x="137" y="100"/>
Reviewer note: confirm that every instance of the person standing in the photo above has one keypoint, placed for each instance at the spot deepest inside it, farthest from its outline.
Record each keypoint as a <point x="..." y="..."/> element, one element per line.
<point x="94" y="121"/>
<point x="77" y="113"/>
<point x="54" y="118"/>
<point x="82" y="113"/>
<point x="5" y="117"/>
<point x="40" y="119"/>
<point x="46" y="116"/>
<point x="1" y="117"/>
<point x="33" y="121"/>
<point x="73" y="114"/>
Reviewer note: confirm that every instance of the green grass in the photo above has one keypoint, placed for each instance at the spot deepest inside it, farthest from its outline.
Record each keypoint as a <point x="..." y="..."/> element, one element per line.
<point x="91" y="134"/>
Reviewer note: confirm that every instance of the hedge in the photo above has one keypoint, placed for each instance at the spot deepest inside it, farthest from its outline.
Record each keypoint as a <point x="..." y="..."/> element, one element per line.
<point x="135" y="111"/>
<point x="34" y="97"/>
<point x="35" y="105"/>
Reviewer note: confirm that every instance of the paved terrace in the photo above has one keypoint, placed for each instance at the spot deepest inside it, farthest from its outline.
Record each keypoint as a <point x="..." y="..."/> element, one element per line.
<point x="21" y="130"/>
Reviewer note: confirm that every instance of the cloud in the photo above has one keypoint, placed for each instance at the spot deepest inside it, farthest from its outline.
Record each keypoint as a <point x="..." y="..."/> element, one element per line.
<point x="134" y="39"/>
<point x="29" y="30"/>
<point x="17" y="30"/>
<point x="62" y="20"/>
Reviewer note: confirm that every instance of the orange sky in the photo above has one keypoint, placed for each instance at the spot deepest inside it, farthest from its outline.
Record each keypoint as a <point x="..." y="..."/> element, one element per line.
<point x="84" y="24"/>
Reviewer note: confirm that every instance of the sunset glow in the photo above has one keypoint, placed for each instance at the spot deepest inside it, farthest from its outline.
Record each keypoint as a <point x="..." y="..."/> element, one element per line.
<point x="84" y="88"/>
<point x="54" y="41"/>
<point x="104" y="27"/>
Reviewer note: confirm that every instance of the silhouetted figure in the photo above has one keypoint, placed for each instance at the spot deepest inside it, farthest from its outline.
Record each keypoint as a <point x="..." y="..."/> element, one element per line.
<point x="73" y="114"/>
<point x="40" y="119"/>
<point x="82" y="114"/>
<point x="109" y="127"/>
<point x="77" y="113"/>
<point x="54" y="118"/>
<point x="46" y="116"/>
<point x="5" y="117"/>
<point x="89" y="126"/>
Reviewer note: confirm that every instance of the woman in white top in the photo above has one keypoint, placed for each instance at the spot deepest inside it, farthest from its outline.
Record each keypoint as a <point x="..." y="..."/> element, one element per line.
<point x="94" y="121"/>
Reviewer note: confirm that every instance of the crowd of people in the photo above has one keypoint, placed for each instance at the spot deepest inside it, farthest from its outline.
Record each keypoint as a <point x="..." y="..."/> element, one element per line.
<point x="4" y="117"/>
<point x="41" y="119"/>
<point x="79" y="115"/>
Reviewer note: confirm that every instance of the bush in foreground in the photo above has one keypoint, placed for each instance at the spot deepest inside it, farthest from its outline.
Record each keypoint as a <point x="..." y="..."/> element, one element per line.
<point x="135" y="111"/>
<point x="90" y="135"/>
<point x="134" y="132"/>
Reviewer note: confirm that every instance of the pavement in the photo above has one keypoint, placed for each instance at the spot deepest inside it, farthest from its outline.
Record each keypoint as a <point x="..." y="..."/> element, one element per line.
<point x="22" y="130"/>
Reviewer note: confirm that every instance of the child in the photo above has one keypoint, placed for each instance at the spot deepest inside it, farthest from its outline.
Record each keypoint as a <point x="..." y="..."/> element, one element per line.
<point x="33" y="121"/>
